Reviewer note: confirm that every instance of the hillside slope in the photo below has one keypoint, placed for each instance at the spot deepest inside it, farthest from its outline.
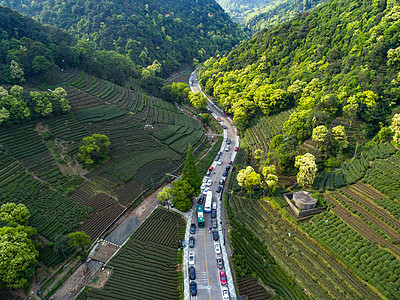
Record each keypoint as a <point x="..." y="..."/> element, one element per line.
<point x="261" y="14"/>
<point x="171" y="32"/>
<point x="344" y="51"/>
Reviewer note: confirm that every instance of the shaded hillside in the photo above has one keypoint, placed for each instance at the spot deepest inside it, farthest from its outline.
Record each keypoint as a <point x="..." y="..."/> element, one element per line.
<point x="171" y="32"/>
<point x="261" y="14"/>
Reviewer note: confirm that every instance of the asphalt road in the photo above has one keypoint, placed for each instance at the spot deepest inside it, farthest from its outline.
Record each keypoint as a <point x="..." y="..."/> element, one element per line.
<point x="207" y="272"/>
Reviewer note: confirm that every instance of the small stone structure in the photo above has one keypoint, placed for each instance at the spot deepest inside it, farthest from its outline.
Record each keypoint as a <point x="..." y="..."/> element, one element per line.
<point x="302" y="204"/>
<point x="304" y="201"/>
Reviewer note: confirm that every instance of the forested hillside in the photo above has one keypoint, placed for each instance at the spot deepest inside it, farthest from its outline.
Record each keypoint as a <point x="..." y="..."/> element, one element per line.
<point x="30" y="50"/>
<point x="274" y="13"/>
<point x="341" y="59"/>
<point x="171" y="32"/>
<point x="261" y="14"/>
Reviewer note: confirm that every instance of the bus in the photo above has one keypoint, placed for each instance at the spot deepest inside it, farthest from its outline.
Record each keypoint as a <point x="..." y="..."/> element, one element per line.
<point x="200" y="216"/>
<point x="207" y="205"/>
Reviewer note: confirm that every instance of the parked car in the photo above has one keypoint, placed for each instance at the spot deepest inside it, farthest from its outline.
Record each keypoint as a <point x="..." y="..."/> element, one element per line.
<point x="236" y="149"/>
<point x="215" y="235"/>
<point x="191" y="242"/>
<point x="201" y="199"/>
<point x="220" y="263"/>
<point x="203" y="185"/>
<point x="227" y="148"/>
<point x="205" y="179"/>
<point x="219" y="153"/>
<point x="224" y="127"/>
<point x="213" y="214"/>
<point x="192" y="273"/>
<point x="225" y="294"/>
<point x="222" y="277"/>
<point x="221" y="182"/>
<point x="206" y="190"/>
<point x="219" y="162"/>
<point x="218" y="119"/>
<point x="228" y="141"/>
<point x="214" y="223"/>
<point x="230" y="162"/>
<point x="228" y="167"/>
<point x="214" y="205"/>
<point x="219" y="189"/>
<point x="225" y="174"/>
<point x="193" y="288"/>
<point x="211" y="168"/>
<point x="216" y="158"/>
<point x="193" y="228"/>
<point x="217" y="248"/>
<point x="209" y="182"/>
<point x="191" y="259"/>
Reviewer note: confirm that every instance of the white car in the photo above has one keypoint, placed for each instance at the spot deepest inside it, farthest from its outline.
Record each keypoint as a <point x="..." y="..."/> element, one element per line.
<point x="209" y="182"/>
<point x="220" y="162"/>
<point x="227" y="148"/>
<point x="191" y="259"/>
<point x="217" y="248"/>
<point x="225" y="294"/>
<point x="203" y="185"/>
<point x="206" y="190"/>
<point x="205" y="179"/>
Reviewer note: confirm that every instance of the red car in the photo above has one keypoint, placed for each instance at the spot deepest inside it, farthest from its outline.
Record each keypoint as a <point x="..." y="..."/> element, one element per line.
<point x="230" y="162"/>
<point x="222" y="277"/>
<point x="218" y="119"/>
<point x="211" y="169"/>
<point x="236" y="148"/>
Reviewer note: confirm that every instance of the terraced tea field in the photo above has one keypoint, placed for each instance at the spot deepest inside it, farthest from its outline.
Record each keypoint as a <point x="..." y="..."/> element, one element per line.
<point x="149" y="255"/>
<point x="39" y="155"/>
<point x="259" y="136"/>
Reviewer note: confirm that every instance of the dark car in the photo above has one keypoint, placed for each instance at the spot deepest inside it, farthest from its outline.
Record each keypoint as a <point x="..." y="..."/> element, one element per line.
<point x="224" y="127"/>
<point x="193" y="288"/>
<point x="201" y="199"/>
<point x="228" y="167"/>
<point x="191" y="242"/>
<point x="219" y="189"/>
<point x="216" y="158"/>
<point x="214" y="223"/>
<point x="213" y="214"/>
<point x="221" y="182"/>
<point x="192" y="273"/>
<point x="220" y="263"/>
<point x="193" y="228"/>
<point x="225" y="174"/>
<point x="228" y="141"/>
<point x="215" y="235"/>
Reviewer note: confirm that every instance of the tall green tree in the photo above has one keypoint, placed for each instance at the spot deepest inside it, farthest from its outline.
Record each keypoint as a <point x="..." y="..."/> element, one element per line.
<point x="95" y="148"/>
<point x="18" y="256"/>
<point x="183" y="194"/>
<point x="14" y="214"/>
<point x="307" y="169"/>
<point x="80" y="240"/>
<point x="190" y="172"/>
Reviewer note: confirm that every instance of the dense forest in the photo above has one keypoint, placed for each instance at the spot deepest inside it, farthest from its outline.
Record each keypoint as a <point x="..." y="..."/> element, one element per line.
<point x="30" y="50"/>
<point x="150" y="33"/>
<point x="261" y="14"/>
<point x="277" y="12"/>
<point x="341" y="59"/>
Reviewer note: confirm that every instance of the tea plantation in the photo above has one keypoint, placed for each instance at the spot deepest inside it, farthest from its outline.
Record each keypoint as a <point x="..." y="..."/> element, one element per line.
<point x="146" y="266"/>
<point x="149" y="138"/>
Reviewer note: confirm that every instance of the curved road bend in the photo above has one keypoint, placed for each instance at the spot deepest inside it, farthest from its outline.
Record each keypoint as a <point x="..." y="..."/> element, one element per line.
<point x="207" y="272"/>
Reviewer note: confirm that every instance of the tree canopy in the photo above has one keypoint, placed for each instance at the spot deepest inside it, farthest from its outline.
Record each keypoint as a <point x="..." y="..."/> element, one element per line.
<point x="307" y="169"/>
<point x="95" y="149"/>
<point x="316" y="63"/>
